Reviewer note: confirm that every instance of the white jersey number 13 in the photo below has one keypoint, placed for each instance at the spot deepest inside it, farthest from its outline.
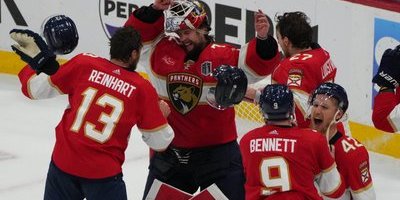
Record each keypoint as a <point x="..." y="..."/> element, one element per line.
<point x="108" y="119"/>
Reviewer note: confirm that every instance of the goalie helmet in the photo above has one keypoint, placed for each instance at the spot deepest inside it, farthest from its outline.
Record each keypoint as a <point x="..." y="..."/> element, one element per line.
<point x="231" y="87"/>
<point x="332" y="90"/>
<point x="184" y="14"/>
<point x="60" y="33"/>
<point x="276" y="102"/>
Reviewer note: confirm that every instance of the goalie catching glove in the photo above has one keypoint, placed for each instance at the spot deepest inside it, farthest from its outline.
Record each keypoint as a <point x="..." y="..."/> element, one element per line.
<point x="33" y="50"/>
<point x="388" y="74"/>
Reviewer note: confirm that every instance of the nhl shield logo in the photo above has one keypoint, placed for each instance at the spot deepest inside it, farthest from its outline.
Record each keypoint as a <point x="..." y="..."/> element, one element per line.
<point x="113" y="14"/>
<point x="184" y="91"/>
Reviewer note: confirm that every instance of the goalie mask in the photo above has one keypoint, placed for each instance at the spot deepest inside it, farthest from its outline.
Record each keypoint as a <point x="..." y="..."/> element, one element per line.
<point x="276" y="102"/>
<point x="60" y="33"/>
<point x="184" y="14"/>
<point x="231" y="87"/>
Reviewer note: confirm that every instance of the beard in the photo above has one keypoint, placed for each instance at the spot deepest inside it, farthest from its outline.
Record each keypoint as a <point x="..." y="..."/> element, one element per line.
<point x="195" y="52"/>
<point x="132" y="65"/>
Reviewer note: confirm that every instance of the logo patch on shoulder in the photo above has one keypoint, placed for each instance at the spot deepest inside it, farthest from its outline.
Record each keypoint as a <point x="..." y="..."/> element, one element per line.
<point x="295" y="77"/>
<point x="184" y="91"/>
<point x="364" y="171"/>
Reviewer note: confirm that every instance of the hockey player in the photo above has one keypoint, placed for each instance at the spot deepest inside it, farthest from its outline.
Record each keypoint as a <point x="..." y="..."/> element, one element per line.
<point x="386" y="108"/>
<point x="328" y="106"/>
<point x="106" y="99"/>
<point x="180" y="64"/>
<point x="306" y="64"/>
<point x="281" y="161"/>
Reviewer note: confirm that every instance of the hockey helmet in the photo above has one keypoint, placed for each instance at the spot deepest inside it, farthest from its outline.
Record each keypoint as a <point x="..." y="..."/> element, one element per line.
<point x="230" y="89"/>
<point x="60" y="33"/>
<point x="276" y="102"/>
<point x="332" y="90"/>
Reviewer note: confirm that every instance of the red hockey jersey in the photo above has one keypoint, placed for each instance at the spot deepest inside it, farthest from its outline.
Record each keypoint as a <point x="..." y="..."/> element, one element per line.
<point x="105" y="102"/>
<point x="303" y="73"/>
<point x="386" y="111"/>
<point x="184" y="85"/>
<point x="353" y="164"/>
<point x="286" y="161"/>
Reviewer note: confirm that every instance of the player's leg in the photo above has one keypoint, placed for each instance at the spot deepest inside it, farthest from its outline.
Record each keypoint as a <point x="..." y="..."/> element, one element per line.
<point x="60" y="185"/>
<point x="225" y="169"/>
<point x="112" y="188"/>
<point x="165" y="167"/>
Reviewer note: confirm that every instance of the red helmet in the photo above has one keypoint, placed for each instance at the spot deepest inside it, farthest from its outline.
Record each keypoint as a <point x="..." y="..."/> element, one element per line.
<point x="184" y="14"/>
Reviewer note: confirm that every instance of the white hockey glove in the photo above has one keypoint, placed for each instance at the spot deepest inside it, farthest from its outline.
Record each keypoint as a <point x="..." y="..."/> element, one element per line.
<point x="33" y="50"/>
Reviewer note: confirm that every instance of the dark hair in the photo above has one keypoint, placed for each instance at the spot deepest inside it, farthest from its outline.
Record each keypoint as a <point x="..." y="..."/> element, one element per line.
<point x="295" y="26"/>
<point x="206" y="25"/>
<point x="123" y="42"/>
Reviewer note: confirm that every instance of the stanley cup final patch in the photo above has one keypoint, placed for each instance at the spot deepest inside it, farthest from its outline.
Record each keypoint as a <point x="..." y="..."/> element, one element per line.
<point x="206" y="68"/>
<point x="184" y="91"/>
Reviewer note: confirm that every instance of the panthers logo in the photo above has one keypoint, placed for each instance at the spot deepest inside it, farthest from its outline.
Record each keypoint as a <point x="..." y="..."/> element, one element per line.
<point x="184" y="91"/>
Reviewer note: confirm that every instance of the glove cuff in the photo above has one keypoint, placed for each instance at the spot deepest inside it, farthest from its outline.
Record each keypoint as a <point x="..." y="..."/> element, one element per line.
<point x="50" y="67"/>
<point x="386" y="89"/>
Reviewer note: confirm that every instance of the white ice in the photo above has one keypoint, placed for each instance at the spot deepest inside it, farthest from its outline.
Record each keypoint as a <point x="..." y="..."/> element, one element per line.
<point x="27" y="138"/>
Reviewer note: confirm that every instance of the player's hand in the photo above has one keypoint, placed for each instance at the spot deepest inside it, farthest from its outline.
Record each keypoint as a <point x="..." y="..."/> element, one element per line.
<point x="162" y="4"/>
<point x="252" y="95"/>
<point x="164" y="108"/>
<point x="388" y="74"/>
<point x="33" y="50"/>
<point x="261" y="24"/>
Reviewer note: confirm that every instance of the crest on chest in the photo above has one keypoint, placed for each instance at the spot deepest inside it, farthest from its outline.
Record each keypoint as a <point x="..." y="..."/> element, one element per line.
<point x="184" y="91"/>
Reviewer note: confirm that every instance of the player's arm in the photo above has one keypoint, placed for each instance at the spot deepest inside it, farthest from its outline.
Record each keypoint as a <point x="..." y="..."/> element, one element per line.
<point x="159" y="138"/>
<point x="149" y="20"/>
<point x="386" y="110"/>
<point x="353" y="160"/>
<point x="156" y="132"/>
<point x="34" y="51"/>
<point x="260" y="56"/>
<point x="330" y="182"/>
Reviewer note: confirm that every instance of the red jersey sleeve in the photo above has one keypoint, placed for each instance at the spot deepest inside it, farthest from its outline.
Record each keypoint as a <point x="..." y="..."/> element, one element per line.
<point x="148" y="31"/>
<point x="325" y="160"/>
<point x="256" y="64"/>
<point x="65" y="78"/>
<point x="330" y="182"/>
<point x="24" y="76"/>
<point x="42" y="86"/>
<point x="385" y="104"/>
<point x="151" y="115"/>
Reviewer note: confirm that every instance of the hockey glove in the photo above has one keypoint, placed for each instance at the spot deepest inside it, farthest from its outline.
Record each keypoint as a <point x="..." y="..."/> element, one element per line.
<point x="33" y="50"/>
<point x="388" y="74"/>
